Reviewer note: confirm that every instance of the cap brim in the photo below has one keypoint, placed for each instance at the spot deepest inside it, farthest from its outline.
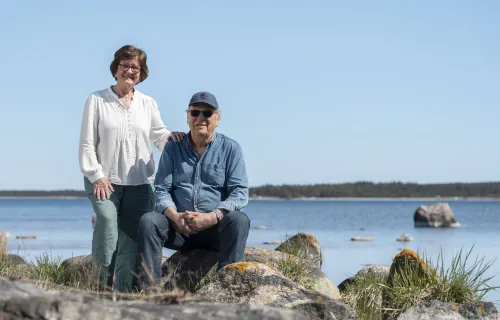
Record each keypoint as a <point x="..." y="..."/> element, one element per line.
<point x="204" y="102"/>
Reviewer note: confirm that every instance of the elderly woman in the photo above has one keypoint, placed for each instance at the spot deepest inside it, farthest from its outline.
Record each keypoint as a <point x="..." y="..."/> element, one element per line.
<point x="117" y="162"/>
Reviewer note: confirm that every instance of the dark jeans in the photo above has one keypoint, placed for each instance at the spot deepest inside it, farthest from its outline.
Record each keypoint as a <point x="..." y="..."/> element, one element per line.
<point x="155" y="231"/>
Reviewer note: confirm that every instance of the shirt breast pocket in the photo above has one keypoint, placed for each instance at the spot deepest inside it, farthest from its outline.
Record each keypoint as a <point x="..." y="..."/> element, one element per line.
<point x="215" y="175"/>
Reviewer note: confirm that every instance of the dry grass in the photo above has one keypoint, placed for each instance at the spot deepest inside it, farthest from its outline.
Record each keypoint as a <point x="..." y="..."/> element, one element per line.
<point x="297" y="265"/>
<point x="365" y="296"/>
<point x="48" y="273"/>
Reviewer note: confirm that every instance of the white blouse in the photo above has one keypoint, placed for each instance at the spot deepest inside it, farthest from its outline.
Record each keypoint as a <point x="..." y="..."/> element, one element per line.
<point x="114" y="141"/>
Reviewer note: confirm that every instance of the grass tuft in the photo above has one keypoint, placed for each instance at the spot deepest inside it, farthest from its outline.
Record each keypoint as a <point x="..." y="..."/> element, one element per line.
<point x="297" y="265"/>
<point x="48" y="270"/>
<point x="365" y="296"/>
<point x="463" y="282"/>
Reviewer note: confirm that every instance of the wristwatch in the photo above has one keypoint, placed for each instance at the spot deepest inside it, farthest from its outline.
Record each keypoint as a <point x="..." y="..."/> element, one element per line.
<point x="219" y="214"/>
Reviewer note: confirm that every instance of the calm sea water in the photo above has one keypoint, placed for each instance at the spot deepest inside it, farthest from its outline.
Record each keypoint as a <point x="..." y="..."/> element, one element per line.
<point x="63" y="228"/>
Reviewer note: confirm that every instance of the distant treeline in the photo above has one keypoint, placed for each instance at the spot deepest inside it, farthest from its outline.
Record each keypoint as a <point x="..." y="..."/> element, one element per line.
<point x="379" y="190"/>
<point x="42" y="193"/>
<point x="348" y="190"/>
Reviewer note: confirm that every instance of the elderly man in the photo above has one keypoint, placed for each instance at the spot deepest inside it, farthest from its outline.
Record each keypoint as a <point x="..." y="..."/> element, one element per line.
<point x="200" y="187"/>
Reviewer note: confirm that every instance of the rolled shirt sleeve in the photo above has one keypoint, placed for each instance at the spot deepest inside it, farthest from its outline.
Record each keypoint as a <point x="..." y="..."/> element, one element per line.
<point x="163" y="180"/>
<point x="237" y="182"/>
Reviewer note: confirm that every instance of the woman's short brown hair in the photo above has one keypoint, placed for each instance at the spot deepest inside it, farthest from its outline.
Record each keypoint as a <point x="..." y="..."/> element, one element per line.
<point x="129" y="52"/>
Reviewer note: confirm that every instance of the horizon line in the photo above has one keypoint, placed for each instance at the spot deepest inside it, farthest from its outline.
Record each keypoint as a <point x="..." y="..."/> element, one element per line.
<point x="290" y="185"/>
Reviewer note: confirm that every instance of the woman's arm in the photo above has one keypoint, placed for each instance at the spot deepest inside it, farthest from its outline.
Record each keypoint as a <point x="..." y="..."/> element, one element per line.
<point x="158" y="133"/>
<point x="89" y="165"/>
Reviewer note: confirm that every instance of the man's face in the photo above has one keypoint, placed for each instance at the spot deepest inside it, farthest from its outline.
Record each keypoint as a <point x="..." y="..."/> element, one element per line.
<point x="202" y="119"/>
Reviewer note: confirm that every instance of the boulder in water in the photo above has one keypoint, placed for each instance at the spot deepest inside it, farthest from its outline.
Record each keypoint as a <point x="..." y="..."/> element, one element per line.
<point x="438" y="215"/>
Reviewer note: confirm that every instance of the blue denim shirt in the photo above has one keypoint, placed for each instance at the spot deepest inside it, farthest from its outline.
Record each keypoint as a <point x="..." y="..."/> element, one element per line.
<point x="217" y="179"/>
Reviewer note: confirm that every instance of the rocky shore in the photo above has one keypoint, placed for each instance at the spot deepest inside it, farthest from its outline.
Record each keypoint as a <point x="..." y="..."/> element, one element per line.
<point x="286" y="283"/>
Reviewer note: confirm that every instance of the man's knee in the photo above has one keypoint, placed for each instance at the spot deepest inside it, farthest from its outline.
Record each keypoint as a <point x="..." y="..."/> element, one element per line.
<point x="237" y="219"/>
<point x="147" y="224"/>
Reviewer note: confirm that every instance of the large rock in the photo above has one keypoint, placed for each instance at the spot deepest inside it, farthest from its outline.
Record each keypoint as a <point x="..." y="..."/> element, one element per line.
<point x="257" y="283"/>
<point x="25" y="301"/>
<point x="377" y="270"/>
<point x="14" y="260"/>
<point x="305" y="246"/>
<point x="407" y="259"/>
<point x="184" y="271"/>
<point x="451" y="311"/>
<point x="319" y="281"/>
<point x="82" y="269"/>
<point x="438" y="215"/>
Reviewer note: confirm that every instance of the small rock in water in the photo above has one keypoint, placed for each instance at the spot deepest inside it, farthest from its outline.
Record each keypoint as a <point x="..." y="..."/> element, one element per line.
<point x="26" y="236"/>
<point x="362" y="238"/>
<point x="261" y="227"/>
<point x="405" y="237"/>
<point x="273" y="242"/>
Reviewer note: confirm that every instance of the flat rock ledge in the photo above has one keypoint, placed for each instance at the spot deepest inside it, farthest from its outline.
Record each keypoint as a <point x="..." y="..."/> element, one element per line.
<point x="187" y="270"/>
<point x="25" y="301"/>
<point x="451" y="311"/>
<point x="257" y="283"/>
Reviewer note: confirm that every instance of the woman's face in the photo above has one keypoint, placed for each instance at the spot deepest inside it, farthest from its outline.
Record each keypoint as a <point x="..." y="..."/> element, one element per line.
<point x="129" y="72"/>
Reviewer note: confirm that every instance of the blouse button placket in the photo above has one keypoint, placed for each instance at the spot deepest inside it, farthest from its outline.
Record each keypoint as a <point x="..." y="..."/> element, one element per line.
<point x="129" y="125"/>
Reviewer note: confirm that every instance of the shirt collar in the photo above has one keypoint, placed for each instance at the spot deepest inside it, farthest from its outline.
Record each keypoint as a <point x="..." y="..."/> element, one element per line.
<point x="187" y="141"/>
<point x="114" y="96"/>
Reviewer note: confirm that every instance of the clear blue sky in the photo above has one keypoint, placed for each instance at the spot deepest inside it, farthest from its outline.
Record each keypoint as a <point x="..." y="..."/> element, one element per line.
<point x="315" y="92"/>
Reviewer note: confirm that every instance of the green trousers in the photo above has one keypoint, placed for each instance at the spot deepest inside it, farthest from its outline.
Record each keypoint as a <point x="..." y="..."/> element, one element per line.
<point x="114" y="243"/>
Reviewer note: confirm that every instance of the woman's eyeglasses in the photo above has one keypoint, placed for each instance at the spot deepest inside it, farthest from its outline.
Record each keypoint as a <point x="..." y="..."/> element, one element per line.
<point x="206" y="113"/>
<point x="132" y="68"/>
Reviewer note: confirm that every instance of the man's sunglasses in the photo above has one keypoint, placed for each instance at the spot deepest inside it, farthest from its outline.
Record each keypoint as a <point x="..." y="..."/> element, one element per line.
<point x="206" y="113"/>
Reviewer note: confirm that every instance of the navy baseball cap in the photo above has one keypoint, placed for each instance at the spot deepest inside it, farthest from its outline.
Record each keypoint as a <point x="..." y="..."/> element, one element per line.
<point x="204" y="97"/>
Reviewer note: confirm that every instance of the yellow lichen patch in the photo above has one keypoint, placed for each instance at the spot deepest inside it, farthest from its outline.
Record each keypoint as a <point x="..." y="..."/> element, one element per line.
<point x="319" y="298"/>
<point x="409" y="257"/>
<point x="455" y="308"/>
<point x="242" y="266"/>
<point x="480" y="309"/>
<point x="271" y="267"/>
<point x="410" y="253"/>
<point x="311" y="237"/>
<point x="412" y="257"/>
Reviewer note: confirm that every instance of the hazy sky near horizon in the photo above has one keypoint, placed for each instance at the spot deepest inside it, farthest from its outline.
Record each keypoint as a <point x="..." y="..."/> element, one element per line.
<point x="315" y="92"/>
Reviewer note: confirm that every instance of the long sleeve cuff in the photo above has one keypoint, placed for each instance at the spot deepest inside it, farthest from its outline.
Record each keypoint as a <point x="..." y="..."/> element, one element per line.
<point x="96" y="176"/>
<point x="164" y="204"/>
<point x="229" y="205"/>
<point x="163" y="141"/>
